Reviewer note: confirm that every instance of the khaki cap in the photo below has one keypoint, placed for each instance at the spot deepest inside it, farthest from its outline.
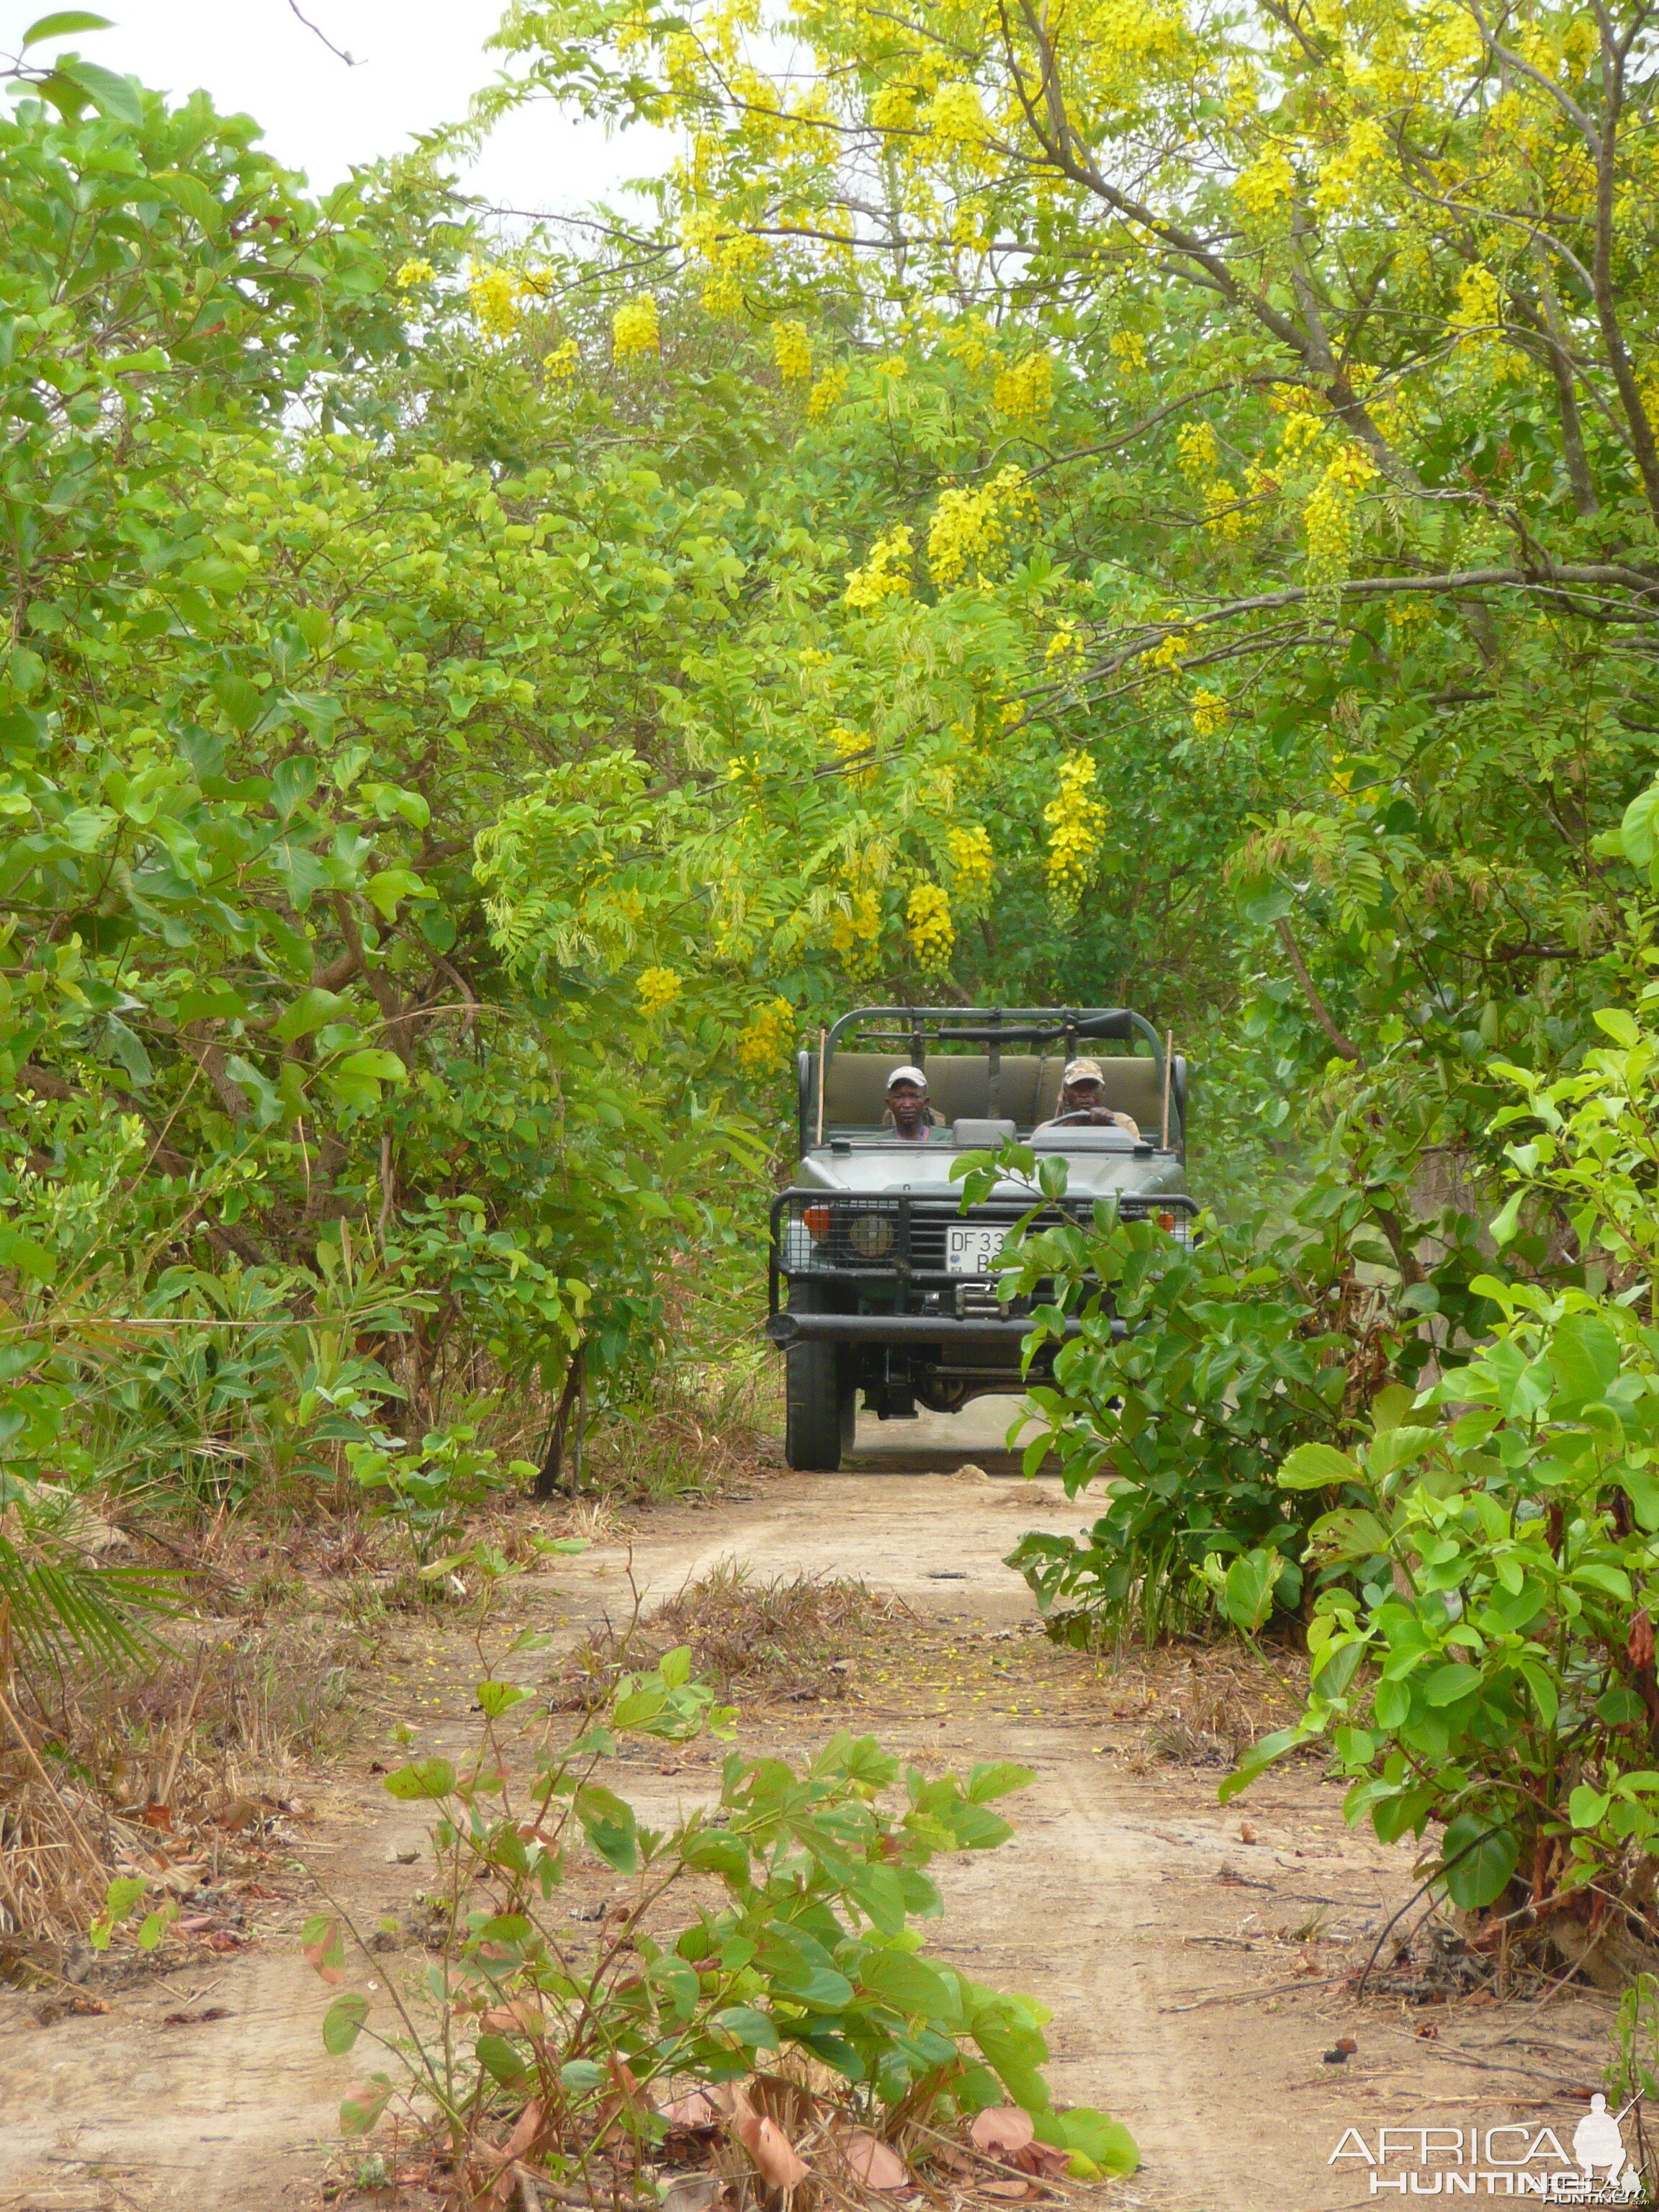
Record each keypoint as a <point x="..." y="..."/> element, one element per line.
<point x="1083" y="1070"/>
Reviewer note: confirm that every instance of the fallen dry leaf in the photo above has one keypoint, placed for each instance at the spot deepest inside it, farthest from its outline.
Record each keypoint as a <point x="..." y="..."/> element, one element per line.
<point x="775" y="2158"/>
<point x="699" y="2110"/>
<point x="1046" y="2160"/>
<point x="157" y="1816"/>
<point x="695" y="2192"/>
<point x="1001" y="2128"/>
<point x="872" y="2162"/>
<point x="1013" y="2190"/>
<point x="195" y="2019"/>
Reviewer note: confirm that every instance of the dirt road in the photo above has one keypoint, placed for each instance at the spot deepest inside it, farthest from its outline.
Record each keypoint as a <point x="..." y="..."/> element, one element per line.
<point x="1193" y="1956"/>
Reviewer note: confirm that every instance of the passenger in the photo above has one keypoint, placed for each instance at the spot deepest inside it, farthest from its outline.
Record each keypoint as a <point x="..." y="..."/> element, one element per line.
<point x="1082" y="1093"/>
<point x="907" y="1108"/>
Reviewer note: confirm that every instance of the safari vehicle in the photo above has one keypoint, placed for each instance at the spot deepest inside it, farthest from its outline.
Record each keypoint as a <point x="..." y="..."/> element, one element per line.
<point x="878" y="1281"/>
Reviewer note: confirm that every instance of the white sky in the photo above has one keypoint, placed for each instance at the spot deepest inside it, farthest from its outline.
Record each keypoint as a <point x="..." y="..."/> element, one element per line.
<point x="420" y="62"/>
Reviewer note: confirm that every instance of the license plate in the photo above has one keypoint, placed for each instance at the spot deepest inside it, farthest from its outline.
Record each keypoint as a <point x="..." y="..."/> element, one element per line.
<point x="970" y="1251"/>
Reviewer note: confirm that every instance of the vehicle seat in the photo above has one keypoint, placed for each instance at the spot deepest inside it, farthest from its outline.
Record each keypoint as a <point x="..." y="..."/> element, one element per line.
<point x="974" y="1136"/>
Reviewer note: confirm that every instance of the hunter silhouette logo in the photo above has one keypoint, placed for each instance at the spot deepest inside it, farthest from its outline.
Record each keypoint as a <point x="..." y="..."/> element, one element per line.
<point x="1511" y="2160"/>
<point x="1598" y="2146"/>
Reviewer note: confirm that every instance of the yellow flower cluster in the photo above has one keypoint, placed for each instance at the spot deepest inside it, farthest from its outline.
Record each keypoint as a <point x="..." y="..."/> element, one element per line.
<point x="1026" y="391"/>
<point x="1328" y="517"/>
<point x="1267" y="182"/>
<point x="1210" y="713"/>
<point x="1361" y="158"/>
<point x="413" y="273"/>
<point x="932" y="932"/>
<point x="1170" y="653"/>
<point x="827" y="394"/>
<point x="969" y="528"/>
<point x="658" y="987"/>
<point x="886" y="573"/>
<point x="791" y="349"/>
<point x="765" y="1043"/>
<point x="1224" y="512"/>
<point x="955" y="116"/>
<point x="848" y="743"/>
<point x="634" y="327"/>
<point x="856" y="933"/>
<point x="1076" y="823"/>
<point x="1480" y="302"/>
<point x="493" y="296"/>
<point x="1300" y="430"/>
<point x="971" y="863"/>
<point x="560" y="365"/>
<point x="1128" y="351"/>
<point x="1064" y="645"/>
<point x="1196" y="450"/>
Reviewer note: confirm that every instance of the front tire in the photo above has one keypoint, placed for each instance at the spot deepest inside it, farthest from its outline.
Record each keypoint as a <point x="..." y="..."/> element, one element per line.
<point x="820" y="1407"/>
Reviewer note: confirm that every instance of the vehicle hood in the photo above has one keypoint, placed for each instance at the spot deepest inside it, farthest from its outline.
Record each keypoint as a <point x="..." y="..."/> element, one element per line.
<point x="925" y="1171"/>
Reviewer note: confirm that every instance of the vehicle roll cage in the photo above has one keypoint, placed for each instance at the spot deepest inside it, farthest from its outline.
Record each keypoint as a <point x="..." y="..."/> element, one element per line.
<point x="912" y="1028"/>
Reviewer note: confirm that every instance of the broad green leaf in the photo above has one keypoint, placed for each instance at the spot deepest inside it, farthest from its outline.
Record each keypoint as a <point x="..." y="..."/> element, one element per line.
<point x="997" y="1779"/>
<point x="114" y="96"/>
<point x="1315" y="1466"/>
<point x="342" y="2022"/>
<point x="63" y="25"/>
<point x="1587" y="1807"/>
<point x="1483" y="1862"/>
<point x="422" y="1777"/>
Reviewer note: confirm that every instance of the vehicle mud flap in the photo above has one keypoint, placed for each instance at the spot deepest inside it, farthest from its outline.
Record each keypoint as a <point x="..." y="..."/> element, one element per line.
<point x="820" y="1406"/>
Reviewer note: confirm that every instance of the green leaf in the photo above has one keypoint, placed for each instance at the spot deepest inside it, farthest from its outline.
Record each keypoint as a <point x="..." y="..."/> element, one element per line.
<point x="1450" y="1682"/>
<point x="27" y="1257"/>
<point x="191" y="194"/>
<point x="1484" y="1860"/>
<point x="1248" y="1588"/>
<point x="496" y="1698"/>
<point x="499" y="2060"/>
<point x="116" y="97"/>
<point x="1615" y="1020"/>
<point x="997" y="1779"/>
<point x="610" y="1825"/>
<point x="1639" y="829"/>
<point x="342" y="2022"/>
<point x="63" y="25"/>
<point x="1583" y="1356"/>
<point x="909" y="1984"/>
<point x="1587" y="1807"/>
<point x="1315" y="1467"/>
<point x="742" y="2024"/>
<point x="1099" y="2146"/>
<point x="422" y="1777"/>
<point x="363" y="2105"/>
<point x="242" y="703"/>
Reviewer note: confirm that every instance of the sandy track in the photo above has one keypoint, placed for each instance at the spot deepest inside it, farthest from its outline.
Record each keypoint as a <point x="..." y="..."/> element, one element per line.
<point x="1167" y="1947"/>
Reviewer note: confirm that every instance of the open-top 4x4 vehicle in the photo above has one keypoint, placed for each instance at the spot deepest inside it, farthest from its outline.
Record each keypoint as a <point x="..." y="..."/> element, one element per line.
<point x="879" y="1282"/>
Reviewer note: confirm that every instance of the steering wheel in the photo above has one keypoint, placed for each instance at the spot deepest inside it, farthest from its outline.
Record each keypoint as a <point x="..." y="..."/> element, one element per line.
<point x="1086" y="1114"/>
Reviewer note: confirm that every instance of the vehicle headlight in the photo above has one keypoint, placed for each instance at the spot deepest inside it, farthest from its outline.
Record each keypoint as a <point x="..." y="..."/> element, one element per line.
<point x="871" y="1235"/>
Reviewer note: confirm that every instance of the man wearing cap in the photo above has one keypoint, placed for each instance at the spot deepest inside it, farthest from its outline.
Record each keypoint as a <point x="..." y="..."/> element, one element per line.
<point x="1082" y="1091"/>
<point x="908" y="1109"/>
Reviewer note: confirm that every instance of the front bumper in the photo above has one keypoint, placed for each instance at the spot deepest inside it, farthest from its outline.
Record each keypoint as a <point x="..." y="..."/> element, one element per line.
<point x="943" y="1329"/>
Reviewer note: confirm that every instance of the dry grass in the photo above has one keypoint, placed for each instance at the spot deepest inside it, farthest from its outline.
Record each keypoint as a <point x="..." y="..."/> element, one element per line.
<point x="789" y="1640"/>
<point x="99" y="1772"/>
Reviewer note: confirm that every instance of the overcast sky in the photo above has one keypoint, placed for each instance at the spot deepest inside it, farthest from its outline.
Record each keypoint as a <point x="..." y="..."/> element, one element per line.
<point x="418" y="63"/>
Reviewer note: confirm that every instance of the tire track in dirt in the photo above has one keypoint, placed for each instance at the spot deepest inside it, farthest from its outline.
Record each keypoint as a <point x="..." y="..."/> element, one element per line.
<point x="1167" y="1947"/>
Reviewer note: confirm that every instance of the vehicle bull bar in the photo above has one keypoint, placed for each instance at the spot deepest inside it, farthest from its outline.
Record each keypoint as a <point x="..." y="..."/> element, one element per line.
<point x="786" y="1329"/>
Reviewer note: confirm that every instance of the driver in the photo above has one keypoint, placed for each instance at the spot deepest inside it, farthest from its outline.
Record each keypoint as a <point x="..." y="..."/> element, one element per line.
<point x="908" y="1107"/>
<point x="1082" y="1093"/>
